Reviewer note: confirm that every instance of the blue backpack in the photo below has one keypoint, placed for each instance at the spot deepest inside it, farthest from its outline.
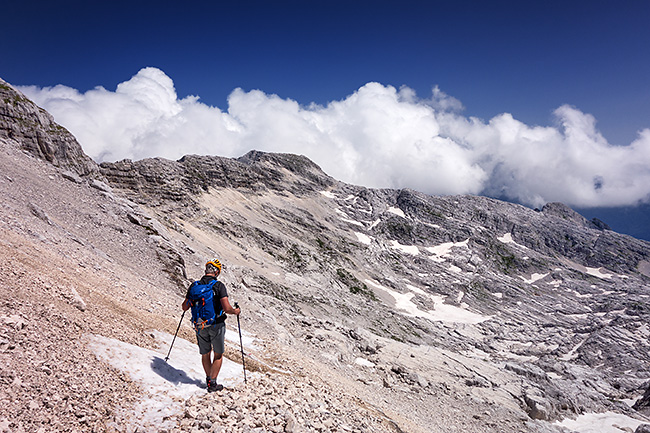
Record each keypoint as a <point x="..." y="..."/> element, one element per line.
<point x="202" y="300"/>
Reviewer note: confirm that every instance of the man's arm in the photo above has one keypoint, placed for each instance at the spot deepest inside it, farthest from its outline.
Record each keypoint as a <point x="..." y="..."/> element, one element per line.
<point x="227" y="308"/>
<point x="187" y="303"/>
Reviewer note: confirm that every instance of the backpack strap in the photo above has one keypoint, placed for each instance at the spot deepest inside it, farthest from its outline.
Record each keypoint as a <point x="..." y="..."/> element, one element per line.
<point x="218" y="301"/>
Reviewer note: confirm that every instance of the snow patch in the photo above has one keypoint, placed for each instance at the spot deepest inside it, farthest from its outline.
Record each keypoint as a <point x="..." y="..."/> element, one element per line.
<point x="349" y="221"/>
<point x="408" y="249"/>
<point x="441" y="252"/>
<point x="598" y="272"/>
<point x="397" y="211"/>
<point x="572" y="353"/>
<point x="581" y="316"/>
<point x="606" y="422"/>
<point x="363" y="362"/>
<point x="345" y="217"/>
<point x="507" y="239"/>
<point x="441" y="313"/>
<point x="364" y="239"/>
<point x="533" y="278"/>
<point x="631" y="401"/>
<point x="166" y="384"/>
<point x="516" y="357"/>
<point x="580" y="295"/>
<point x="374" y="224"/>
<point x="417" y="290"/>
<point x="328" y="194"/>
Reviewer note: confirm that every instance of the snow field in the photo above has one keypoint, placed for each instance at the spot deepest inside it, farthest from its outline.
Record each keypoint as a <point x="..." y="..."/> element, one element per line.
<point x="442" y="312"/>
<point x="598" y="272"/>
<point x="406" y="249"/>
<point x="606" y="422"/>
<point x="168" y="384"/>
<point x="443" y="250"/>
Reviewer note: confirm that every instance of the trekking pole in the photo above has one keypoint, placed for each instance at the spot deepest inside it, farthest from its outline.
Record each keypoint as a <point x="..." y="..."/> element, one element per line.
<point x="172" y="345"/>
<point x="241" y="344"/>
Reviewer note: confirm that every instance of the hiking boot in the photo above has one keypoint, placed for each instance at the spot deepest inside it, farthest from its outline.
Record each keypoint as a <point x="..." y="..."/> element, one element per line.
<point x="214" y="386"/>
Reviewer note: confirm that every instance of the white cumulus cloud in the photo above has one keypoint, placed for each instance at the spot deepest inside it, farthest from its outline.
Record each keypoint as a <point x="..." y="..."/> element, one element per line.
<point x="378" y="136"/>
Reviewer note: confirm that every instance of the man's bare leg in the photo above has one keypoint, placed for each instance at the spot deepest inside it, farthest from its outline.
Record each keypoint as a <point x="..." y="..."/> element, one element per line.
<point x="216" y="365"/>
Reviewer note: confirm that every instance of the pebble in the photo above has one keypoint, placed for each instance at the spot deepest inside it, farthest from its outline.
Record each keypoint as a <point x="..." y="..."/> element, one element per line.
<point x="280" y="404"/>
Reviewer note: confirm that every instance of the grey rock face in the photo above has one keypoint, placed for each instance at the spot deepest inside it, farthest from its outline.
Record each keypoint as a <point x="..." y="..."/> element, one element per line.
<point x="157" y="181"/>
<point x="643" y="428"/>
<point x="34" y="128"/>
<point x="643" y="404"/>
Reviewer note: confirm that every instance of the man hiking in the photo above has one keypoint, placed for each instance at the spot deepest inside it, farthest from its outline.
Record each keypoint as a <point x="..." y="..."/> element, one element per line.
<point x="208" y="299"/>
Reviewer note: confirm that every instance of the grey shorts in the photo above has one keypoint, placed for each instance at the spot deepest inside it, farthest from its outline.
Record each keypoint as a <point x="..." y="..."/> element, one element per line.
<point x="212" y="338"/>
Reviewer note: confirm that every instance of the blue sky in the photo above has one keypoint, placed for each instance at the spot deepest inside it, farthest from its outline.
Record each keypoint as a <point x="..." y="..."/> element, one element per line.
<point x="587" y="59"/>
<point x="525" y="58"/>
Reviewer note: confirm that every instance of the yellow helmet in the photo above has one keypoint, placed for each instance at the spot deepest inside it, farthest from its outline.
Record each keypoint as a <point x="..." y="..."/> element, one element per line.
<point x="214" y="262"/>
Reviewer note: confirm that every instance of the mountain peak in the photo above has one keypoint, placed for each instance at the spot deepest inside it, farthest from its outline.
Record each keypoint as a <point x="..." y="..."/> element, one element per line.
<point x="153" y="179"/>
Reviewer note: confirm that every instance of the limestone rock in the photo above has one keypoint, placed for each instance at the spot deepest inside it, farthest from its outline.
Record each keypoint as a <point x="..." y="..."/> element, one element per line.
<point x="14" y="321"/>
<point x="98" y="184"/>
<point x="643" y="428"/>
<point x="35" y="130"/>
<point x="643" y="404"/>
<point x="40" y="213"/>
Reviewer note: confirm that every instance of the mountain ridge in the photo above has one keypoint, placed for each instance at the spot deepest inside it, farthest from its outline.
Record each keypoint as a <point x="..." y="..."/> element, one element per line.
<point x="37" y="133"/>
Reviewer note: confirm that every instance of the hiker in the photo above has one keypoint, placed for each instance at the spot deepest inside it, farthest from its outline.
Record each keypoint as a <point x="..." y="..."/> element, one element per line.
<point x="209" y="319"/>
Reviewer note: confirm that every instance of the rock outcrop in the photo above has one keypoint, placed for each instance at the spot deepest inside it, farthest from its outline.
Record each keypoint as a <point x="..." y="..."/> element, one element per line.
<point x="643" y="404"/>
<point x="158" y="181"/>
<point x="34" y="128"/>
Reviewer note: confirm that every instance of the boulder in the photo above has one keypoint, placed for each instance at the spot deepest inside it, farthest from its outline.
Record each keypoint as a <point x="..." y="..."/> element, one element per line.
<point x="643" y="404"/>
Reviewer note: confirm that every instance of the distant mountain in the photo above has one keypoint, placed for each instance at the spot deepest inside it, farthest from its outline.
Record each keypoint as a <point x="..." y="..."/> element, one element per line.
<point x="388" y="310"/>
<point x="629" y="220"/>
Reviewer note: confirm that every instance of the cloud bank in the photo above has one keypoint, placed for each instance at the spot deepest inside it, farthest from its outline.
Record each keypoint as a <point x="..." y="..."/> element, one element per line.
<point x="379" y="136"/>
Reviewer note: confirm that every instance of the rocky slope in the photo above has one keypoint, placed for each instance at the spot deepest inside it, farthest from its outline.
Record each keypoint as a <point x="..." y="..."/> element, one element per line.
<point x="386" y="310"/>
